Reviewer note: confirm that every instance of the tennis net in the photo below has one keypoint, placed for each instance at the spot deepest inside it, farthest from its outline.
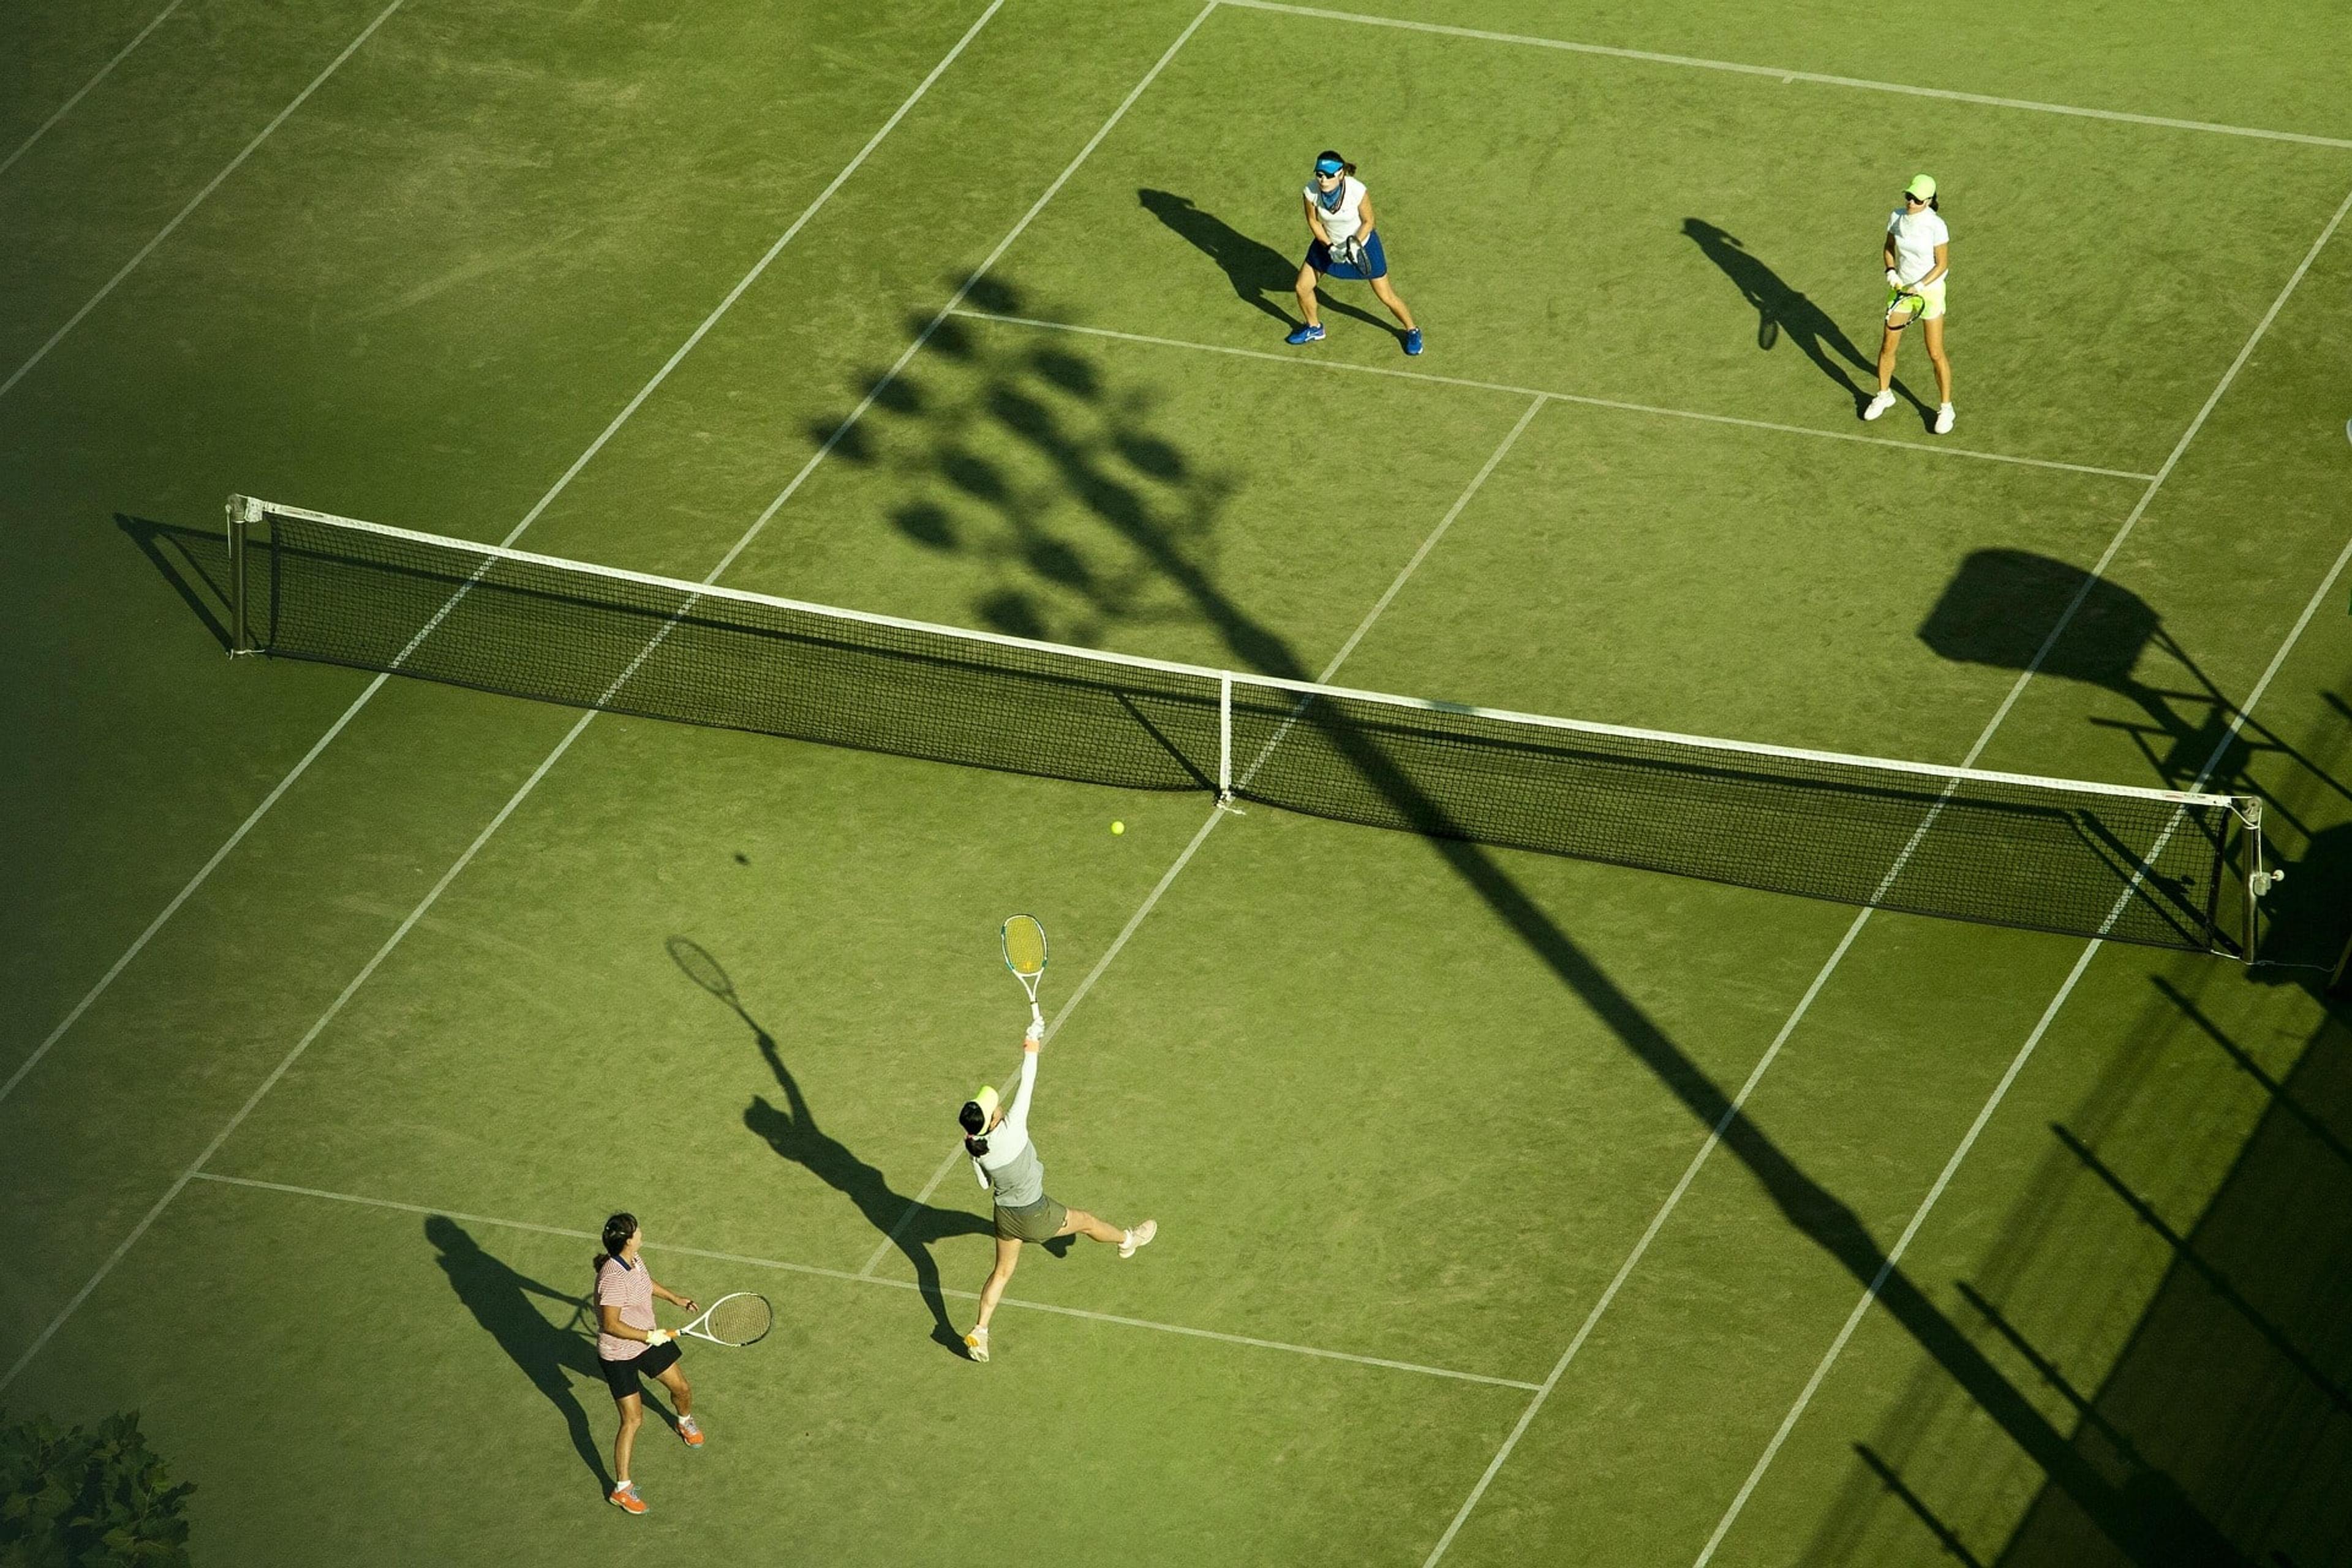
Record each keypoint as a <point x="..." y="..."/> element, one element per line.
<point x="2167" y="867"/>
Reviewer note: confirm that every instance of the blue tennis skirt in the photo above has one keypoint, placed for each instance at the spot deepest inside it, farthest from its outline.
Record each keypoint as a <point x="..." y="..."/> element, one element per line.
<point x="1376" y="262"/>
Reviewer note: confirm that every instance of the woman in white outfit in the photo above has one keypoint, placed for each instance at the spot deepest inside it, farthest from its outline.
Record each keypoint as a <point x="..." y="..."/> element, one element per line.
<point x="1345" y="245"/>
<point x="996" y="1136"/>
<point x="1918" y="258"/>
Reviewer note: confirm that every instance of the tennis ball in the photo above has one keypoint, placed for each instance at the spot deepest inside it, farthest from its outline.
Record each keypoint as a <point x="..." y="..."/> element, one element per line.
<point x="1118" y="827"/>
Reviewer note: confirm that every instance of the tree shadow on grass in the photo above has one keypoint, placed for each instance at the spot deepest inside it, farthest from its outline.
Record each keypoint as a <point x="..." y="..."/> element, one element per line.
<point x="1083" y="433"/>
<point x="501" y="1297"/>
<point x="791" y="1131"/>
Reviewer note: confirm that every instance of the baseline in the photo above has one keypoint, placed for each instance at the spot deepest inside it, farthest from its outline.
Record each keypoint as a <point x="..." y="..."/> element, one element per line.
<point x="1621" y="405"/>
<point x="205" y="871"/>
<point x="1736" y="1107"/>
<point x="816" y="1271"/>
<point x="103" y="72"/>
<point x="1783" y="74"/>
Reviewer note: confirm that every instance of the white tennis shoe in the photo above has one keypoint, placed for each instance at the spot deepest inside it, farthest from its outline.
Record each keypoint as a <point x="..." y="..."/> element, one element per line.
<point x="1944" y="420"/>
<point x="1139" y="1236"/>
<point x="1878" y="405"/>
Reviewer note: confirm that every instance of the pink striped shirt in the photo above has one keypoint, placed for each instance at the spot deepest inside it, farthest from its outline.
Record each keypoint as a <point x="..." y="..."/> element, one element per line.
<point x="632" y="1291"/>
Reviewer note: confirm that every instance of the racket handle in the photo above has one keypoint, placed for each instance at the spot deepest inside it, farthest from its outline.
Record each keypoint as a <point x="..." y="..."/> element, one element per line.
<point x="1037" y="1019"/>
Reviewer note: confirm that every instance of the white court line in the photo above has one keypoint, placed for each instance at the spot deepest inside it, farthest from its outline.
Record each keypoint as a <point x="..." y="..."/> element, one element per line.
<point x="815" y="1272"/>
<point x="1218" y="813"/>
<point x="1714" y="1136"/>
<point x="1919" y="1217"/>
<point x="198" y="200"/>
<point x="1316" y="363"/>
<point x="1782" y="74"/>
<point x="103" y="72"/>
<point x="530" y="784"/>
<point x="366" y="696"/>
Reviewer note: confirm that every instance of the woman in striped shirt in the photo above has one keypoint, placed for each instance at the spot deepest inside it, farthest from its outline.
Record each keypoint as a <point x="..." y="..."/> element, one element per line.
<point x="996" y="1136"/>
<point x="630" y="1346"/>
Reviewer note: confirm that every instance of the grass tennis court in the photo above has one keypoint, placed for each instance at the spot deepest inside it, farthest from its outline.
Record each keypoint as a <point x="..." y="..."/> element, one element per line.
<point x="1514" y="1208"/>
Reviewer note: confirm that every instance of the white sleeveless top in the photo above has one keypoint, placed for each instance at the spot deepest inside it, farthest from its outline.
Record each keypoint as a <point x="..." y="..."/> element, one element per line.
<point x="1345" y="222"/>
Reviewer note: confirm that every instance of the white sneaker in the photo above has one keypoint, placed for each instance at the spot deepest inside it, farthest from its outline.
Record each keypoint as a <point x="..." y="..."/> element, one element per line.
<point x="1944" y="420"/>
<point x="975" y="1344"/>
<point x="1139" y="1236"/>
<point x="1878" y="405"/>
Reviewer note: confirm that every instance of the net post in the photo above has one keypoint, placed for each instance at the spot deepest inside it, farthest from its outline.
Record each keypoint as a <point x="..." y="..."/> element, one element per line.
<point x="1225" y="737"/>
<point x="243" y="511"/>
<point x="2252" y="817"/>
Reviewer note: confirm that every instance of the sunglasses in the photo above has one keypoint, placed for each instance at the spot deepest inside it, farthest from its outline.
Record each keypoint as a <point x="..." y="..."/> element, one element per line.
<point x="1329" y="173"/>
<point x="1915" y="201"/>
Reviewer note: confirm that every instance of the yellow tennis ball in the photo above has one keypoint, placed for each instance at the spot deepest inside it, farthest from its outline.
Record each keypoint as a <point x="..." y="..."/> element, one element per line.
<point x="1118" y="827"/>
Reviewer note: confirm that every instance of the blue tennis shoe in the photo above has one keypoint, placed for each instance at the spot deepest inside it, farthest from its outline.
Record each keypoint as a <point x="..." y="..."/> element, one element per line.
<point x="1306" y="335"/>
<point x="1412" y="342"/>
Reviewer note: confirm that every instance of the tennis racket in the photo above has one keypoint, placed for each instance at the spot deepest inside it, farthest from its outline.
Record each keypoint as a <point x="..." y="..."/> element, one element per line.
<point x="1350" y="252"/>
<point x="1902" y="306"/>
<point x="1023" y="940"/>
<point x="738" y="1319"/>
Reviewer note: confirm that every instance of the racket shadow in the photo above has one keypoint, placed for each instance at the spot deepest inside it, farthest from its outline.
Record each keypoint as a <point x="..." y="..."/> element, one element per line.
<point x="550" y="1355"/>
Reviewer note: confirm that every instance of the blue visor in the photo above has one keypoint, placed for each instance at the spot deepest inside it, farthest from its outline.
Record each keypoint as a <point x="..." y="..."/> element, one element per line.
<point x="1329" y="168"/>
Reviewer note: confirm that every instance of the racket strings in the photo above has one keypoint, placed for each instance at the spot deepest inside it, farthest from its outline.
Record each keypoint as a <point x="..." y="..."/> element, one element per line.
<point x="1024" y="945"/>
<point x="741" y="1320"/>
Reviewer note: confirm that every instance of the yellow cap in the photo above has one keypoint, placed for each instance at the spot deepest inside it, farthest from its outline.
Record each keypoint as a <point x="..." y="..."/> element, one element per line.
<point x="1921" y="186"/>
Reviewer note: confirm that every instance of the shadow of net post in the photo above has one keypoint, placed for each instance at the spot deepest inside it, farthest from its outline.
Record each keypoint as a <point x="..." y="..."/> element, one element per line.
<point x="193" y="562"/>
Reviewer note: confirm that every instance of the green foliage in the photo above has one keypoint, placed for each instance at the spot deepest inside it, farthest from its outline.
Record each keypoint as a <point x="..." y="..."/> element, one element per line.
<point x="95" y="1498"/>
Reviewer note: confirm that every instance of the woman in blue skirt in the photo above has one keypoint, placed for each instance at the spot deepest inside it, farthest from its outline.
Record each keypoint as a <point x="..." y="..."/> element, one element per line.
<point x="1345" y="246"/>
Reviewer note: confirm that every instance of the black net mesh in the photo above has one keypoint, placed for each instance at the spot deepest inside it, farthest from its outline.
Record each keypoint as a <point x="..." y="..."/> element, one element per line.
<point x="2130" y="867"/>
<point x="444" y="610"/>
<point x="2042" y="857"/>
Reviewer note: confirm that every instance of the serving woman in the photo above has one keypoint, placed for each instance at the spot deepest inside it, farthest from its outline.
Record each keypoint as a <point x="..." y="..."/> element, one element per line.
<point x="996" y="1136"/>
<point x="1345" y="246"/>
<point x="1918" y="258"/>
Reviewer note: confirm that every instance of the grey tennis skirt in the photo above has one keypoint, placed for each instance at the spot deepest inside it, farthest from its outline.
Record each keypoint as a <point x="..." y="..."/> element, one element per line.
<point x="1033" y="1221"/>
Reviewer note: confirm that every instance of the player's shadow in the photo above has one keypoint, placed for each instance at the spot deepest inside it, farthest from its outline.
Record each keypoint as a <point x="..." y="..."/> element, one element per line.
<point x="1781" y="309"/>
<point x="1259" y="274"/>
<point x="501" y="1297"/>
<point x="791" y="1131"/>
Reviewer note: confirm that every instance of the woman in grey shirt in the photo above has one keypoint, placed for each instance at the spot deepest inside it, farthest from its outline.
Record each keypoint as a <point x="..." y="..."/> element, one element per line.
<point x="996" y="1136"/>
